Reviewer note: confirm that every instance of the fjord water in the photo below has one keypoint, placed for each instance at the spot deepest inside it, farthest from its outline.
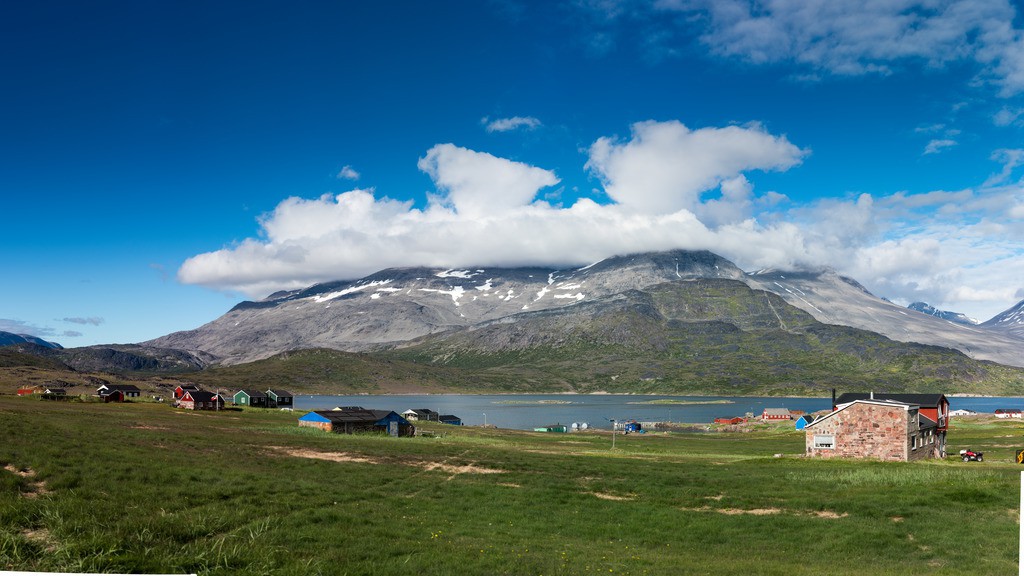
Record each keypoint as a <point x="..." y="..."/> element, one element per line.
<point x="529" y="411"/>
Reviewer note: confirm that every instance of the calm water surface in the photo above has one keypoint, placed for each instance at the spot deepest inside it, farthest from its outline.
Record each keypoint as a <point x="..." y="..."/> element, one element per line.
<point x="528" y="411"/>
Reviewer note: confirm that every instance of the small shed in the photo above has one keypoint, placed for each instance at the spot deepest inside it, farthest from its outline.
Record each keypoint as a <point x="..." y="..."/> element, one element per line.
<point x="732" y="420"/>
<point x="279" y="398"/>
<point x="113" y="396"/>
<point x="552" y="428"/>
<point x="253" y="398"/>
<point x="450" y="419"/>
<point x="424" y="414"/>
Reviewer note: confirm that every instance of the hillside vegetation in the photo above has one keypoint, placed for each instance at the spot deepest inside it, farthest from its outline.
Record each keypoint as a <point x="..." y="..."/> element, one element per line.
<point x="706" y="336"/>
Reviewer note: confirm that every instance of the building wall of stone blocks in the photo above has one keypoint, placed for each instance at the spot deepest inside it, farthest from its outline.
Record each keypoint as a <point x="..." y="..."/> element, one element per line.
<point x="868" y="431"/>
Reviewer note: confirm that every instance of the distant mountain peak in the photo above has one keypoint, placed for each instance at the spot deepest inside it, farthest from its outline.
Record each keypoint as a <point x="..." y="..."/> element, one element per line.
<point x="8" y="338"/>
<point x="1011" y="320"/>
<point x="930" y="310"/>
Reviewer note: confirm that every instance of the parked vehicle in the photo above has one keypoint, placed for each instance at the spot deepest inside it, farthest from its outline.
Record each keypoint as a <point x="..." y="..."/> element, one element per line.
<point x="969" y="455"/>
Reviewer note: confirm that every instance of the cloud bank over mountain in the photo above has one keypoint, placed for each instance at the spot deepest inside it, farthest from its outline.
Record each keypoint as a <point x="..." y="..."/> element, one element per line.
<point x="670" y="187"/>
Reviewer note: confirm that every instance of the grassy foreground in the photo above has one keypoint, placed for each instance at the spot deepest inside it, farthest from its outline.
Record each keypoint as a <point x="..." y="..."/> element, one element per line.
<point x="144" y="488"/>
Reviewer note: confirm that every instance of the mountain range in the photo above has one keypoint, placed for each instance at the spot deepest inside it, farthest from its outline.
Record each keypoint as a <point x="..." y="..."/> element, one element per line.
<point x="392" y="308"/>
<point x="676" y="321"/>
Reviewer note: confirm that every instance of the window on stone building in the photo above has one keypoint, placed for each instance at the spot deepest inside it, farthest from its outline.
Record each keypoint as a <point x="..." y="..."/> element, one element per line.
<point x="825" y="441"/>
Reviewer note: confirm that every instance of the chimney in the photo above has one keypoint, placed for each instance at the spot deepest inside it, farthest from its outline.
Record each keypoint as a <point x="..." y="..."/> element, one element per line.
<point x="833" y="398"/>
<point x="872" y="394"/>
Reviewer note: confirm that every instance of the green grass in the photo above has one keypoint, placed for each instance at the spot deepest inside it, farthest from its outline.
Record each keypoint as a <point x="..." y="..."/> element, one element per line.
<point x="143" y="488"/>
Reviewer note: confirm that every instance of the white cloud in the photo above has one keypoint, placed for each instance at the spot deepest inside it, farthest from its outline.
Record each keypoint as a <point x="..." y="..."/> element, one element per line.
<point x="1011" y="159"/>
<point x="93" y="320"/>
<point x="869" y="37"/>
<point x="1008" y="116"/>
<point x="478" y="184"/>
<point x="936" y="146"/>
<point x="21" y="327"/>
<point x="673" y="188"/>
<point x="665" y="166"/>
<point x="509" y="124"/>
<point x="347" y="173"/>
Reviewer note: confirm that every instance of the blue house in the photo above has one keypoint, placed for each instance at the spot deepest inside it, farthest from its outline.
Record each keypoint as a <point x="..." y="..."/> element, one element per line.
<point x="450" y="419"/>
<point x="803" y="421"/>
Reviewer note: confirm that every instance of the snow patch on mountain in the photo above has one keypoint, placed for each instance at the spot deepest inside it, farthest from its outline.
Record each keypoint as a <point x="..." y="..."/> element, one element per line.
<point x="350" y="290"/>
<point x="464" y="274"/>
<point x="578" y="296"/>
<point x="456" y="293"/>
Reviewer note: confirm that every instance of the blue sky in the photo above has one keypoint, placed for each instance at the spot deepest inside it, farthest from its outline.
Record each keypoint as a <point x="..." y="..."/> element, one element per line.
<point x="160" y="161"/>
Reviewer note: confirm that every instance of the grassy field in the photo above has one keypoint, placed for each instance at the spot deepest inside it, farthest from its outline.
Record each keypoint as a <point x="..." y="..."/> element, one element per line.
<point x="141" y="487"/>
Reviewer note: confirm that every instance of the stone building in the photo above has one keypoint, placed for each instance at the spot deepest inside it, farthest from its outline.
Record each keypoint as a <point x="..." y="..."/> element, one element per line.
<point x="880" y="429"/>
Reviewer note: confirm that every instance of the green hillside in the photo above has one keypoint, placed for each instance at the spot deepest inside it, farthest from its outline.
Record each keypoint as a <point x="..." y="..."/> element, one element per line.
<point x="707" y="336"/>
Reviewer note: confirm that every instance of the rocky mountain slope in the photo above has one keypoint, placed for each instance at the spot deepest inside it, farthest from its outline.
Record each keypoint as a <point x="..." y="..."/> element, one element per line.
<point x="395" y="306"/>
<point x="707" y="335"/>
<point x="834" y="299"/>
<point x="1010" y="323"/>
<point x="118" y="358"/>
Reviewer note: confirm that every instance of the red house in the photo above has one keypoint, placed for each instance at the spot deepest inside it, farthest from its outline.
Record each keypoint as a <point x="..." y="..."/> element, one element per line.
<point x="182" y="388"/>
<point x="935" y="407"/>
<point x="113" y="396"/>
<point x="200" y="400"/>
<point x="776" y="414"/>
<point x="726" y="420"/>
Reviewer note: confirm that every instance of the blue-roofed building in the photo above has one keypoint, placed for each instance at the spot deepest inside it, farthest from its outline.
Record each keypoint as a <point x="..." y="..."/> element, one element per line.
<point x="803" y="421"/>
<point x="350" y="421"/>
